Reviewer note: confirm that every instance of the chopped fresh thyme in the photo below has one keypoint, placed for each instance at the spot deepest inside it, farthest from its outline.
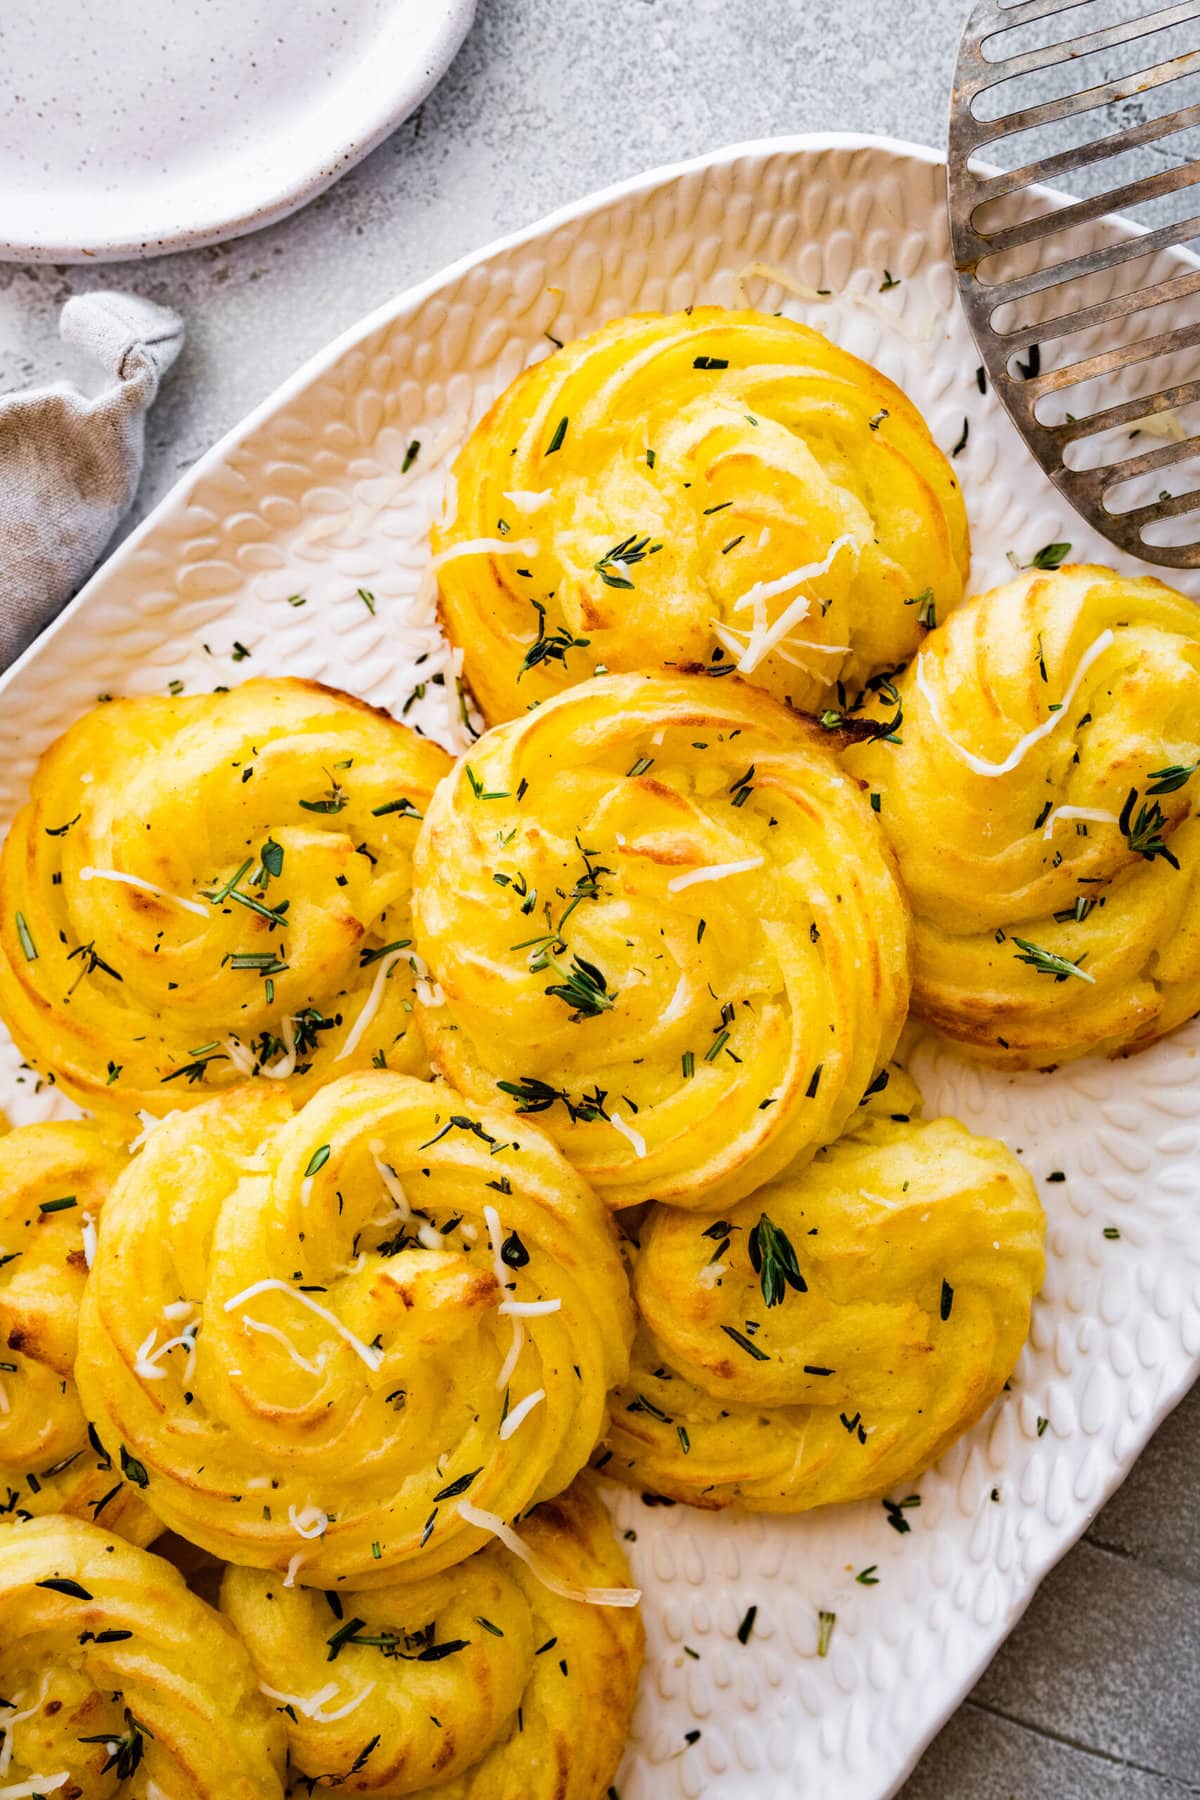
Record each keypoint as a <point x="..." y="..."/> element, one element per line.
<point x="551" y="646"/>
<point x="124" y="1753"/>
<point x="896" y="1509"/>
<point x="535" y="1096"/>
<point x="1033" y="365"/>
<point x="742" y="788"/>
<point x="825" y="1624"/>
<point x="773" y="1260"/>
<point x="133" y="1470"/>
<point x="25" y="939"/>
<point x="927" y="616"/>
<point x="1170" y="780"/>
<point x="62" y="1584"/>
<point x="623" y="556"/>
<point x="478" y="789"/>
<point x="456" y="1487"/>
<point x="1050" y="556"/>
<point x="404" y="807"/>
<point x="1143" y="834"/>
<point x="584" y="988"/>
<point x="744" y="1343"/>
<point x="1046" y="962"/>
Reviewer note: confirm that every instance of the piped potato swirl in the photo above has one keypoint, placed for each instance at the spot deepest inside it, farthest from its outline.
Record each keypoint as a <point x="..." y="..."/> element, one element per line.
<point x="1044" y="806"/>
<point x="697" y="487"/>
<point x="202" y="889"/>
<point x="315" y="1332"/>
<point x="659" y="915"/>
<point x="53" y="1183"/>
<point x="834" y="1333"/>
<point x="118" y="1682"/>
<point x="476" y="1683"/>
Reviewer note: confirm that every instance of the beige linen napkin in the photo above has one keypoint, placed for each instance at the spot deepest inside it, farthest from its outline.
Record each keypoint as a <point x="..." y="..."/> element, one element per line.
<point x="69" y="466"/>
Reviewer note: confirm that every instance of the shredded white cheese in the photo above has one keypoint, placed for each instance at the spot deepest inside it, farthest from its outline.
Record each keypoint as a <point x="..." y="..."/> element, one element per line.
<point x="528" y="1309"/>
<point x="629" y="1134"/>
<point x="485" y="546"/>
<point x="9" y="1720"/>
<point x="314" y="1367"/>
<point x="389" y="1178"/>
<point x="529" y="499"/>
<point x="5" y="1407"/>
<point x="521" y="1411"/>
<point x="238" y="1055"/>
<point x="713" y="872"/>
<point x="148" y="1123"/>
<point x="1095" y="814"/>
<point x="314" y="1707"/>
<point x="370" y="1005"/>
<point x="295" y="1563"/>
<point x="764" y="637"/>
<point x="280" y="1071"/>
<point x="508" y="1367"/>
<point x="980" y="764"/>
<point x="735" y="642"/>
<point x="1164" y="424"/>
<point x="148" y="1358"/>
<point x="566" y="1590"/>
<point x="495" y="1233"/>
<point x="308" y="1521"/>
<point x="147" y="887"/>
<point x="90" y="1240"/>
<point x="37" y="1784"/>
<point x="272" y="1285"/>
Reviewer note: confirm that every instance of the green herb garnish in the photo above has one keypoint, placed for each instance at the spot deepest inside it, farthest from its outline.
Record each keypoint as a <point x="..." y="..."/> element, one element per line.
<point x="1046" y="962"/>
<point x="774" y="1262"/>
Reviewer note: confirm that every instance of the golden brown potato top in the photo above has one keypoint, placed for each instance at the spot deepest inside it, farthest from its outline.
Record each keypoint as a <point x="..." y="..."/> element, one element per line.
<point x="696" y="487"/>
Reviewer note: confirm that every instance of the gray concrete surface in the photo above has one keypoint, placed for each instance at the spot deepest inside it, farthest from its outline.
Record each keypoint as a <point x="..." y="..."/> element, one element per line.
<point x="1095" y="1695"/>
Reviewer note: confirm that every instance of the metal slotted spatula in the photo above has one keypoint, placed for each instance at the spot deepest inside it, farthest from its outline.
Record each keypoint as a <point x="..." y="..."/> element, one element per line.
<point x="1088" y="325"/>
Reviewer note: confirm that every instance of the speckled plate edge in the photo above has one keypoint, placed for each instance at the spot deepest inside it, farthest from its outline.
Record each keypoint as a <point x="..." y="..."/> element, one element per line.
<point x="158" y="236"/>
<point x="908" y="1696"/>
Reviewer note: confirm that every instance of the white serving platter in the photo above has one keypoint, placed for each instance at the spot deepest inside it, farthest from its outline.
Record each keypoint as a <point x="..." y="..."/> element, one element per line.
<point x="310" y="498"/>
<point x="127" y="129"/>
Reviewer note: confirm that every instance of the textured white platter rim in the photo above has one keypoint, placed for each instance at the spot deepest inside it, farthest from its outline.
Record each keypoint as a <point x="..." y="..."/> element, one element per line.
<point x="307" y="496"/>
<point x="268" y="150"/>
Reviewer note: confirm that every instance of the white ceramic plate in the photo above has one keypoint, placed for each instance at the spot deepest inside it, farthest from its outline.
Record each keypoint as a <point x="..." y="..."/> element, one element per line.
<point x="310" y="498"/>
<point x="127" y="129"/>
